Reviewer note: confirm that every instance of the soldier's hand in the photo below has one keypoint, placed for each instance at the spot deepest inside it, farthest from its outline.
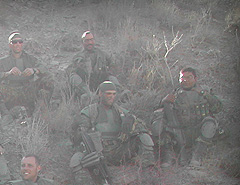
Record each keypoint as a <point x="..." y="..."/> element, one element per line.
<point x="170" y="98"/>
<point x="15" y="71"/>
<point x="28" y="72"/>
<point x="1" y="150"/>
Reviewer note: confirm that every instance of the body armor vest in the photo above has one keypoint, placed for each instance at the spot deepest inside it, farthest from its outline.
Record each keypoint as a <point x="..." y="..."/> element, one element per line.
<point x="190" y="108"/>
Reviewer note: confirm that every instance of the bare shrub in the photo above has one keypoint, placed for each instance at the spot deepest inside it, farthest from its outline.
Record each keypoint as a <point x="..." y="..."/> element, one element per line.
<point x="169" y="15"/>
<point x="233" y="19"/>
<point x="34" y="137"/>
<point x="158" y="71"/>
<point x="67" y="42"/>
<point x="201" y="29"/>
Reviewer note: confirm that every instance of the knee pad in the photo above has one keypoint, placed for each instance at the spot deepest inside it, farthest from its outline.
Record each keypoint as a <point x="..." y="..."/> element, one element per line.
<point x="76" y="160"/>
<point x="209" y="127"/>
<point x="146" y="140"/>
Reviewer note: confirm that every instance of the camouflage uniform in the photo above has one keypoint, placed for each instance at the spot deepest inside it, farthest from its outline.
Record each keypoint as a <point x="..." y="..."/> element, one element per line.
<point x="196" y="122"/>
<point x="20" y="90"/>
<point x="90" y="68"/>
<point x="40" y="181"/>
<point x="124" y="137"/>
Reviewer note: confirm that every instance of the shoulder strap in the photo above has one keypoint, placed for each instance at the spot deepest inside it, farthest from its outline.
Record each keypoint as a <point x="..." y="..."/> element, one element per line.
<point x="93" y="113"/>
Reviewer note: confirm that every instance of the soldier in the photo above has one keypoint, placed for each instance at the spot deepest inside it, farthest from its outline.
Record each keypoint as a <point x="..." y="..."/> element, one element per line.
<point x="186" y="118"/>
<point x="123" y="136"/>
<point x="90" y="67"/>
<point x="21" y="77"/>
<point x="30" y="168"/>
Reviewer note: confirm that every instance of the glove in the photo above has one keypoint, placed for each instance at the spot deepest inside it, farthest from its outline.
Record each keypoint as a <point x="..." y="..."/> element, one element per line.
<point x="91" y="159"/>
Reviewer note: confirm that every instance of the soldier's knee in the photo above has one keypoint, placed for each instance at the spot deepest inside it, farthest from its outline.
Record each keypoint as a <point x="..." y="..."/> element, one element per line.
<point x="75" y="162"/>
<point x="146" y="141"/>
<point x="75" y="80"/>
<point x="209" y="127"/>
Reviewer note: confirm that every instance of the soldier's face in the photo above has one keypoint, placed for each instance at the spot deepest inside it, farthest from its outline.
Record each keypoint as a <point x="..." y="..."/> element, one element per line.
<point x="29" y="169"/>
<point x="16" y="45"/>
<point x="187" y="80"/>
<point x="108" y="97"/>
<point x="88" y="42"/>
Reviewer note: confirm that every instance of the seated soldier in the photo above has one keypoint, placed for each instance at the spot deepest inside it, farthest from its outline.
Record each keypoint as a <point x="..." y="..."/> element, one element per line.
<point x="124" y="137"/>
<point x="186" y="120"/>
<point x="22" y="78"/>
<point x="90" y="67"/>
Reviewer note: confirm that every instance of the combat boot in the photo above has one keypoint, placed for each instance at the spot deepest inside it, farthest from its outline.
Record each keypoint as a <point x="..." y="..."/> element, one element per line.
<point x="183" y="158"/>
<point x="146" y="150"/>
<point x="167" y="155"/>
<point x="199" y="151"/>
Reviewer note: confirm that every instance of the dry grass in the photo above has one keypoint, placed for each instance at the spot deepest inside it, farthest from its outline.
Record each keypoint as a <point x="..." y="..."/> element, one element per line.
<point x="143" y="41"/>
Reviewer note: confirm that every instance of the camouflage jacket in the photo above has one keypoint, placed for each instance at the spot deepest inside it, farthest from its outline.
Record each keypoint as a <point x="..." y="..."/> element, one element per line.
<point x="191" y="107"/>
<point x="93" y="68"/>
<point x="40" y="181"/>
<point x="28" y="61"/>
<point x="95" y="118"/>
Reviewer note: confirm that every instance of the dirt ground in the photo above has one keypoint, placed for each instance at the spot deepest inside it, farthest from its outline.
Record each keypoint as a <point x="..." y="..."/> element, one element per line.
<point x="125" y="30"/>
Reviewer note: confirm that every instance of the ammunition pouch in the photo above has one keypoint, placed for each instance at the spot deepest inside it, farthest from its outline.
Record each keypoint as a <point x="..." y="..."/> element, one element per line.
<point x="111" y="143"/>
<point x="202" y="110"/>
<point x="194" y="113"/>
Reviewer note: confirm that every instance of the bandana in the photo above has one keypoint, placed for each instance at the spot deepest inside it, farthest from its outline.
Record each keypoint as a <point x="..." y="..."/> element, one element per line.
<point x="13" y="35"/>
<point x="107" y="86"/>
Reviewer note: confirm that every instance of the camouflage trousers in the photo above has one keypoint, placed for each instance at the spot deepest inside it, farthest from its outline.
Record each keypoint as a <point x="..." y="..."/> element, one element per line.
<point x="25" y="95"/>
<point x="18" y="96"/>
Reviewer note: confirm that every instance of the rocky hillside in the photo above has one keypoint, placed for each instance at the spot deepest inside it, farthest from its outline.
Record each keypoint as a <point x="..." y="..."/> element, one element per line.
<point x="138" y="34"/>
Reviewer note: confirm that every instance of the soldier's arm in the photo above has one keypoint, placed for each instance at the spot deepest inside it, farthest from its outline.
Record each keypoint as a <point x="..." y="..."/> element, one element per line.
<point x="215" y="104"/>
<point x="80" y="123"/>
<point x="37" y="65"/>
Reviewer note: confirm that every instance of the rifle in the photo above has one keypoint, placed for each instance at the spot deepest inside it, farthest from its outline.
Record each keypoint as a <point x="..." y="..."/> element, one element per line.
<point x="174" y="124"/>
<point x="98" y="170"/>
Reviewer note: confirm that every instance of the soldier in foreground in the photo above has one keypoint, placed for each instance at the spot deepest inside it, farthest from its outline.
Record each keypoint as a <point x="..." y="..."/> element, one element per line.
<point x="122" y="138"/>
<point x="186" y="118"/>
<point x="90" y="67"/>
<point x="30" y="168"/>
<point x="22" y="78"/>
